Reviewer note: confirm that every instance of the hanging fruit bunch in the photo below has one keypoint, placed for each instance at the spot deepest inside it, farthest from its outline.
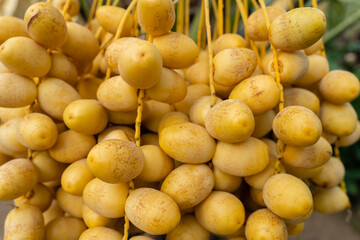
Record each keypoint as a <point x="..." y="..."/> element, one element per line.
<point x="123" y="127"/>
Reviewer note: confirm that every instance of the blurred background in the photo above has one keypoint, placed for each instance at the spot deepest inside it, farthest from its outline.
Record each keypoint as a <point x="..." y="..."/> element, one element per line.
<point x="342" y="43"/>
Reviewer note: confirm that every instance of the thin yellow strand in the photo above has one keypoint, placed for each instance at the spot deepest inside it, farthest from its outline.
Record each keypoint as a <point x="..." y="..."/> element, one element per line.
<point x="115" y="3"/>
<point x="227" y="15"/>
<point x="301" y="3"/>
<point x="255" y="4"/>
<point x="220" y="20"/>
<point x="243" y="16"/>
<point x="291" y="4"/>
<point x="236" y="20"/>
<point x="322" y="47"/>
<point x="214" y="6"/>
<point x="201" y="25"/>
<point x="187" y="17"/>
<point x="92" y="13"/>
<point x="66" y="7"/>
<point x="180" y="17"/>
<point x="108" y="2"/>
<point x="210" y="51"/>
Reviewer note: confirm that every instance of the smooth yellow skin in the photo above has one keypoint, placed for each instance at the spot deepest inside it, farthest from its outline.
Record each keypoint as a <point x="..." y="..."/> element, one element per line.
<point x="254" y="155"/>
<point x="294" y="229"/>
<point x="308" y="157"/>
<point x="260" y="93"/>
<point x="92" y="219"/>
<point x="16" y="91"/>
<point x="350" y="139"/>
<point x="75" y="177"/>
<point x="54" y="95"/>
<point x="314" y="48"/>
<point x="40" y="196"/>
<point x="330" y="201"/>
<point x="198" y="73"/>
<point x="172" y="118"/>
<point x="98" y="233"/>
<point x="54" y="211"/>
<point x="9" y="144"/>
<point x="301" y="97"/>
<point x="152" y="211"/>
<point x="156" y="17"/>
<point x="287" y="196"/>
<point x="256" y="25"/>
<point x="71" y="204"/>
<point x="88" y="86"/>
<point x="115" y="161"/>
<point x="109" y="18"/>
<point x="187" y="143"/>
<point x="130" y="132"/>
<point x="225" y="182"/>
<point x="188" y="229"/>
<point x="258" y="180"/>
<point x="85" y="116"/>
<point x="297" y="126"/>
<point x="117" y="95"/>
<point x="156" y="111"/>
<point x="116" y="134"/>
<point x="123" y="118"/>
<point x="73" y="9"/>
<point x="46" y="25"/>
<point x="11" y="27"/>
<point x="24" y="56"/>
<point x="339" y="87"/>
<point x="233" y="65"/>
<point x="265" y="225"/>
<point x="157" y="165"/>
<point x="171" y="87"/>
<point x="37" y="131"/>
<point x="6" y="114"/>
<point x="48" y="168"/>
<point x="71" y="146"/>
<point x="297" y="29"/>
<point x="200" y="108"/>
<point x="263" y="123"/>
<point x="112" y="52"/>
<point x="76" y="47"/>
<point x="63" y="68"/>
<point x="221" y="213"/>
<point x="292" y="65"/>
<point x="223" y="91"/>
<point x="228" y="40"/>
<point x="318" y="68"/>
<point x="106" y="199"/>
<point x="189" y="184"/>
<point x="58" y="228"/>
<point x="25" y="222"/>
<point x="238" y="238"/>
<point x="194" y="92"/>
<point x="141" y="238"/>
<point x="230" y="121"/>
<point x="150" y="139"/>
<point x="18" y="176"/>
<point x="178" y="51"/>
<point x="140" y="64"/>
<point x="331" y="175"/>
<point x="302" y="172"/>
<point x="340" y="120"/>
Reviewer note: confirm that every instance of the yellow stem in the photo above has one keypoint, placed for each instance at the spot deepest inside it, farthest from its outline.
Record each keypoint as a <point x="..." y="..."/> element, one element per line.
<point x="201" y="24"/>
<point x="314" y="3"/>
<point x="92" y="12"/>
<point x="98" y="33"/>
<point x="187" y="17"/>
<point x="210" y="51"/>
<point x="220" y="20"/>
<point x="301" y="3"/>
<point x="135" y="24"/>
<point x="236" y="20"/>
<point x="291" y="4"/>
<point x="214" y="6"/>
<point x="255" y="4"/>
<point x="139" y="116"/>
<point x="115" y="3"/>
<point x="243" y="16"/>
<point x="123" y="20"/>
<point x="108" y="2"/>
<point x="227" y="15"/>
<point x="256" y="50"/>
<point x="66" y="7"/>
<point x="263" y="50"/>
<point x="180" y="17"/>
<point x="322" y="47"/>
